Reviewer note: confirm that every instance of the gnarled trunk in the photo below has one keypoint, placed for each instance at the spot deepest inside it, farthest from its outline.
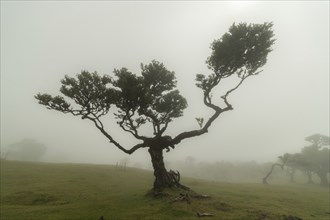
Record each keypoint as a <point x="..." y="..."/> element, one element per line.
<point x="264" y="180"/>
<point x="323" y="178"/>
<point x="163" y="178"/>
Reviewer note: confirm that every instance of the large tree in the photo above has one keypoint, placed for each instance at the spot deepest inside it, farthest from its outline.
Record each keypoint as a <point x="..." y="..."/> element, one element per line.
<point x="316" y="157"/>
<point x="296" y="162"/>
<point x="152" y="97"/>
<point x="312" y="159"/>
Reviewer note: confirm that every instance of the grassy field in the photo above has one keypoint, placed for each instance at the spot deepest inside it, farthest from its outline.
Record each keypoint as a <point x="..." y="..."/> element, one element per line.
<point x="81" y="191"/>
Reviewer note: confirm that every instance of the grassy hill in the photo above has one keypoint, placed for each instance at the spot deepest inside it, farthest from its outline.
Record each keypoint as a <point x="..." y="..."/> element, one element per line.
<point x="81" y="191"/>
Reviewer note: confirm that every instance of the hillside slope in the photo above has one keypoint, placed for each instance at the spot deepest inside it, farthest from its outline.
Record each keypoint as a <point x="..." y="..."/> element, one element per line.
<point x="82" y="191"/>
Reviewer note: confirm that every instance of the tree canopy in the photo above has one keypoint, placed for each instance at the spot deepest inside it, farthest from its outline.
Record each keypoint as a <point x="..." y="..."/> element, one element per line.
<point x="152" y="98"/>
<point x="313" y="158"/>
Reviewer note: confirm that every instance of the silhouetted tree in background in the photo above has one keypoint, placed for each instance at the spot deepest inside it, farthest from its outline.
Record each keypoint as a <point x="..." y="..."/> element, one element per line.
<point x="316" y="157"/>
<point x="26" y="150"/>
<point x="3" y="153"/>
<point x="122" y="164"/>
<point x="152" y="97"/>
<point x="312" y="159"/>
<point x="297" y="162"/>
<point x="282" y="161"/>
<point x="318" y="140"/>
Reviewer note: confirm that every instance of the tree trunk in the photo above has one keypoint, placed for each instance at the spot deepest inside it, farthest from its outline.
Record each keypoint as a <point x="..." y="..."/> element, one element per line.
<point x="163" y="178"/>
<point x="323" y="178"/>
<point x="160" y="172"/>
<point x="264" y="180"/>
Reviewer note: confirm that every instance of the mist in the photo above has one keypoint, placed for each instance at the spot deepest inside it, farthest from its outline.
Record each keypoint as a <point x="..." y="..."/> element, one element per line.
<point x="273" y="112"/>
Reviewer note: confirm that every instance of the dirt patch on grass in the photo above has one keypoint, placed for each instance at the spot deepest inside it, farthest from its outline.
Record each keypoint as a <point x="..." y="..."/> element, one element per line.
<point x="32" y="198"/>
<point x="291" y="217"/>
<point x="222" y="206"/>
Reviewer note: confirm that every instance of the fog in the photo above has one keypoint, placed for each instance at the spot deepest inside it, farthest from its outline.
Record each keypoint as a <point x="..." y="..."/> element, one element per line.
<point x="273" y="112"/>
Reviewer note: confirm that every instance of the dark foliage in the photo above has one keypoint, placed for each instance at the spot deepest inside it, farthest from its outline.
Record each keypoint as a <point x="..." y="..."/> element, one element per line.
<point x="152" y="97"/>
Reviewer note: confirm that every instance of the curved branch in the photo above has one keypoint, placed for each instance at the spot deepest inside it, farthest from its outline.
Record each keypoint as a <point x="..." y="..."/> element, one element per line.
<point x="155" y="122"/>
<point x="224" y="97"/>
<point x="60" y="105"/>
<point x="264" y="180"/>
<point x="134" y="127"/>
<point x="217" y="109"/>
<point x="131" y="128"/>
<point x="194" y="133"/>
<point x="99" y="126"/>
<point x="163" y="129"/>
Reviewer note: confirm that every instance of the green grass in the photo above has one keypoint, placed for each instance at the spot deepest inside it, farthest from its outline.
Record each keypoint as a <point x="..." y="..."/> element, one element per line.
<point x="81" y="191"/>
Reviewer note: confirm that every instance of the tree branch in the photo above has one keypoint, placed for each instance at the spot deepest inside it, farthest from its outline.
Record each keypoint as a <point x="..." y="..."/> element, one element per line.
<point x="194" y="133"/>
<point x="163" y="129"/>
<point x="217" y="109"/>
<point x="100" y="126"/>
<point x="131" y="128"/>
<point x="154" y="120"/>
<point x="224" y="97"/>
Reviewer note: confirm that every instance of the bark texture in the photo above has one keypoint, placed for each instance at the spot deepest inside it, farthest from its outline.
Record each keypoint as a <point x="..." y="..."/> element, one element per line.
<point x="163" y="178"/>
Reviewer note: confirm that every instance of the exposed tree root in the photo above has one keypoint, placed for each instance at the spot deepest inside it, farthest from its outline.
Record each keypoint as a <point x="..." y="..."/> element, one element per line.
<point x="183" y="197"/>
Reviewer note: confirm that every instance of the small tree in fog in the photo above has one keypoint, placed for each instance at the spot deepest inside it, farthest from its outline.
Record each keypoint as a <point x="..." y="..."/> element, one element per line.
<point x="122" y="163"/>
<point x="3" y="153"/>
<point x="312" y="159"/>
<point x="282" y="160"/>
<point x="26" y="150"/>
<point x="316" y="157"/>
<point x="152" y="98"/>
<point x="298" y="162"/>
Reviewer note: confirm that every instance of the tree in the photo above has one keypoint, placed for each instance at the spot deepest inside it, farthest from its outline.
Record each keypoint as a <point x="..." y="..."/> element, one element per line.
<point x="152" y="97"/>
<point x="312" y="159"/>
<point x="317" y="160"/>
<point x="26" y="150"/>
<point x="316" y="156"/>
<point x="122" y="163"/>
<point x="282" y="161"/>
<point x="296" y="162"/>
<point x="318" y="140"/>
<point x="3" y="153"/>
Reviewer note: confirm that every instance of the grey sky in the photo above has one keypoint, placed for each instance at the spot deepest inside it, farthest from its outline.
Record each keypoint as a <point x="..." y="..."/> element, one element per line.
<point x="273" y="112"/>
